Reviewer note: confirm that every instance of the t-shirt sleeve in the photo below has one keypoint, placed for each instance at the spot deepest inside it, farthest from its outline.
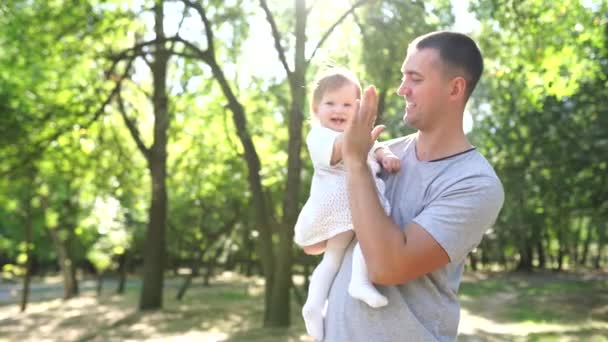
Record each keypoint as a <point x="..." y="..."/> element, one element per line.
<point x="320" y="142"/>
<point x="377" y="145"/>
<point x="459" y="217"/>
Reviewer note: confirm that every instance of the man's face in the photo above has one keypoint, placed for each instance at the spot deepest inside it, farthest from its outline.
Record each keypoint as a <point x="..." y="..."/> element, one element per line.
<point x="423" y="87"/>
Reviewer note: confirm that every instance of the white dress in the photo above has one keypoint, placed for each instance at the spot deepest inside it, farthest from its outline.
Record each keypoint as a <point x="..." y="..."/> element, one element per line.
<point x="326" y="212"/>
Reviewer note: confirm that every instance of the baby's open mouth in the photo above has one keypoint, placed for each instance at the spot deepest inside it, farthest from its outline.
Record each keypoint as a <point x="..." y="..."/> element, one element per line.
<point x="338" y="120"/>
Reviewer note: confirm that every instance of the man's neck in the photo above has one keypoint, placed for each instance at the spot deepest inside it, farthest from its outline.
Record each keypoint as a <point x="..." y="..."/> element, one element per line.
<point x="432" y="145"/>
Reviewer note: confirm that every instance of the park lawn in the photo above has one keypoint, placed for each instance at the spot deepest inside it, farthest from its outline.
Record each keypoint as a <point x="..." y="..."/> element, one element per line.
<point x="495" y="307"/>
<point x="541" y="306"/>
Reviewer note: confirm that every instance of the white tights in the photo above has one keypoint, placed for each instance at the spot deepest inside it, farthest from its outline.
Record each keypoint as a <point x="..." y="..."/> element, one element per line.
<point x="360" y="286"/>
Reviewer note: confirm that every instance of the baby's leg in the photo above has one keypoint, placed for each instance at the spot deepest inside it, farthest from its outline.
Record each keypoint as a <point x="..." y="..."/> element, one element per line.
<point x="320" y="282"/>
<point x="360" y="286"/>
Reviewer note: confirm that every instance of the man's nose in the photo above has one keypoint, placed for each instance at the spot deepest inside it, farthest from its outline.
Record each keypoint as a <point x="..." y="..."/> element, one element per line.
<point x="403" y="89"/>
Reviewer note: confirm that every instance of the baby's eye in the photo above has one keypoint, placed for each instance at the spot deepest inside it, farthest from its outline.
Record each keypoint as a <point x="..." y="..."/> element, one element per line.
<point x="330" y="103"/>
<point x="347" y="105"/>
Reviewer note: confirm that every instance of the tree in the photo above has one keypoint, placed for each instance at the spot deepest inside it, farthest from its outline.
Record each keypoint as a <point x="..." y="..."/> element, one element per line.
<point x="533" y="104"/>
<point x="387" y="27"/>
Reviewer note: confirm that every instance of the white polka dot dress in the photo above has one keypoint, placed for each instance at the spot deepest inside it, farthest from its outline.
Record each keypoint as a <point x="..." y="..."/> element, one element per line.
<point x="326" y="212"/>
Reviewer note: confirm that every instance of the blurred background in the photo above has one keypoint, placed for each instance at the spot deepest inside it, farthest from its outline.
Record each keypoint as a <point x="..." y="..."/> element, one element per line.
<point x="153" y="163"/>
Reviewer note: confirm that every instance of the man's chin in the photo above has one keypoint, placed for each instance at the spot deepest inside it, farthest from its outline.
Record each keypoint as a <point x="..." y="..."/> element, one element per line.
<point x="407" y="119"/>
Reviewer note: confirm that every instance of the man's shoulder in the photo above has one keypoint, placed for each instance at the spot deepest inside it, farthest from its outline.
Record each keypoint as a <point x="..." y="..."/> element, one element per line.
<point x="472" y="170"/>
<point x="400" y="143"/>
<point x="478" y="164"/>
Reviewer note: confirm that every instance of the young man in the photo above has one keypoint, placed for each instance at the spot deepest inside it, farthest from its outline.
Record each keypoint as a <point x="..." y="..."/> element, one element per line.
<point x="444" y="199"/>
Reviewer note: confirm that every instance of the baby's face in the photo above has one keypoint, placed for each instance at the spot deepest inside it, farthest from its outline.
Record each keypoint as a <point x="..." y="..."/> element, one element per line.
<point x="337" y="107"/>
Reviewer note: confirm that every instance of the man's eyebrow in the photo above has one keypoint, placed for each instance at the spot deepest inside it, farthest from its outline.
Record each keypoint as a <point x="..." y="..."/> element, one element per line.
<point x="411" y="73"/>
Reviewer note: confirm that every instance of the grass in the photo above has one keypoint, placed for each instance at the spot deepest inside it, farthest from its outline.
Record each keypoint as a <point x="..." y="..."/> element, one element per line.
<point x="495" y="307"/>
<point x="535" y="307"/>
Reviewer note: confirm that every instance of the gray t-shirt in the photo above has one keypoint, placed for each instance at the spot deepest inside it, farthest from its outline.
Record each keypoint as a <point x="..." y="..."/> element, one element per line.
<point x="455" y="200"/>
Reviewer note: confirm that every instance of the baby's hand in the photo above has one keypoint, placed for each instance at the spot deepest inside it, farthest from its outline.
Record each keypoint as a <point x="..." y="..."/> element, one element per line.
<point x="391" y="163"/>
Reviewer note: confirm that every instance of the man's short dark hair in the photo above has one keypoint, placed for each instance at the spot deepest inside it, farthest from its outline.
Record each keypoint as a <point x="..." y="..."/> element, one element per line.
<point x="457" y="51"/>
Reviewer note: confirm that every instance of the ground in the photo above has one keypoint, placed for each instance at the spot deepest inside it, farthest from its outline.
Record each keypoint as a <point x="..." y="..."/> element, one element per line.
<point x="495" y="307"/>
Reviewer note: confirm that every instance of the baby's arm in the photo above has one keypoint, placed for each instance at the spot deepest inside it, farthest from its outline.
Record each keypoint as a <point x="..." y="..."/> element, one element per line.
<point x="389" y="161"/>
<point x="336" y="153"/>
<point x="316" y="249"/>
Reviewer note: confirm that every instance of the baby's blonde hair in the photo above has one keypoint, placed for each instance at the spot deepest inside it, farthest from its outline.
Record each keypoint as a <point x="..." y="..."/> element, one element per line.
<point x="330" y="80"/>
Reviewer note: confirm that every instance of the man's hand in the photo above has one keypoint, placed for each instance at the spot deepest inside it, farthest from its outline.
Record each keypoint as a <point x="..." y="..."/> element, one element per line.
<point x="361" y="133"/>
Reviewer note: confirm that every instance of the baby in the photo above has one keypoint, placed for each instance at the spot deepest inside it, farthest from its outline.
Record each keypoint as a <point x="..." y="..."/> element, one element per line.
<point x="325" y="220"/>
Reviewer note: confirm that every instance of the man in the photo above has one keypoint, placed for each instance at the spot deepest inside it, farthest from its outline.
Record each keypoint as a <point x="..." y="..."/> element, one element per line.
<point x="443" y="200"/>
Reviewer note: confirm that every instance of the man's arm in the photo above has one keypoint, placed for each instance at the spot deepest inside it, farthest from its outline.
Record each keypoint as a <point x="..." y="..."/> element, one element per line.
<point x="392" y="256"/>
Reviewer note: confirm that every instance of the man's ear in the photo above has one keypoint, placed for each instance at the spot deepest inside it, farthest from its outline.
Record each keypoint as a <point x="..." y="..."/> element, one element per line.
<point x="458" y="87"/>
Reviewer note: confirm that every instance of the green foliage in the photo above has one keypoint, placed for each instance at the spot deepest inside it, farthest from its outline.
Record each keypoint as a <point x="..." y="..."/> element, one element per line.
<point x="537" y="118"/>
<point x="387" y="27"/>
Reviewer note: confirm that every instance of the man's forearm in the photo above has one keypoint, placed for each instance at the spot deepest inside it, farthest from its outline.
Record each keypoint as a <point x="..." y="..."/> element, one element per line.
<point x="380" y="238"/>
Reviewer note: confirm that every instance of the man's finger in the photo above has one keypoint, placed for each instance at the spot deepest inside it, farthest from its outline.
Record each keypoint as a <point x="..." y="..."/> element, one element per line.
<point x="369" y="104"/>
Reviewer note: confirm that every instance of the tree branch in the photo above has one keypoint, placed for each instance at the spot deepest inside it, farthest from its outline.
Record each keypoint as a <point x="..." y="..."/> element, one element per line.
<point x="277" y="37"/>
<point x="208" y="31"/>
<point x="179" y="27"/>
<point x="309" y="9"/>
<point x="205" y="55"/>
<point x="333" y="27"/>
<point x="186" y="55"/>
<point x="132" y="129"/>
<point x="42" y="144"/>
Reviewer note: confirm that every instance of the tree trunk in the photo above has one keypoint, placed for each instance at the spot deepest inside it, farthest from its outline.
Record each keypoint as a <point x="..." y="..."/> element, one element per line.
<point x="263" y="217"/>
<point x="601" y="232"/>
<point x="576" y="241"/>
<point x="550" y="256"/>
<point x="502" y="258"/>
<point x="540" y="250"/>
<point x="122" y="273"/>
<point x="473" y="261"/>
<point x="194" y="267"/>
<point x="73" y="278"/>
<point x="100" y="283"/>
<point x="66" y="265"/>
<point x="185" y="286"/>
<point x="249" y="253"/>
<point x="562" y="243"/>
<point x="155" y="249"/>
<point x="561" y="249"/>
<point x="211" y="265"/>
<point x="28" y="242"/>
<point x="485" y="258"/>
<point x="208" y="273"/>
<point x="586" y="244"/>
<point x="525" y="257"/>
